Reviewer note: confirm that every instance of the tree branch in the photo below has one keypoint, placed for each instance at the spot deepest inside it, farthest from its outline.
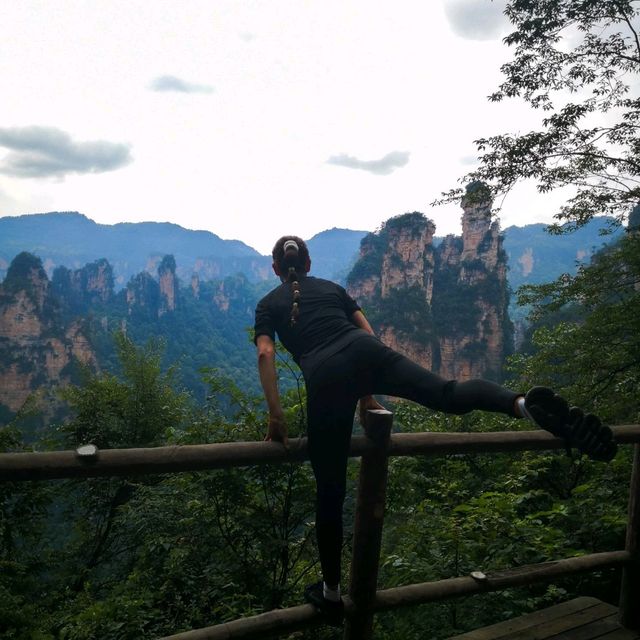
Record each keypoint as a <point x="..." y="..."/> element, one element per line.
<point x="635" y="33"/>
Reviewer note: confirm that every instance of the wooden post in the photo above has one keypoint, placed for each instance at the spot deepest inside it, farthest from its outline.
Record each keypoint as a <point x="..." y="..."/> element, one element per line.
<point x="630" y="591"/>
<point x="367" y="535"/>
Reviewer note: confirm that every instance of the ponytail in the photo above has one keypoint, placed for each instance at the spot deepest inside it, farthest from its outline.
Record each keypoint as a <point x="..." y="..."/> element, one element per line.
<point x="290" y="258"/>
<point x="295" y="290"/>
<point x="291" y="255"/>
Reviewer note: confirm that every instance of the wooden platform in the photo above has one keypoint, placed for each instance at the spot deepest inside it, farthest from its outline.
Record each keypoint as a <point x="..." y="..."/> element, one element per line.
<point x="580" y="619"/>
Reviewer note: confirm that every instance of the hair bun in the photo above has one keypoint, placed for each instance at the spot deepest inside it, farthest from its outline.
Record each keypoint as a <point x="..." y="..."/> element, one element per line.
<point x="290" y="244"/>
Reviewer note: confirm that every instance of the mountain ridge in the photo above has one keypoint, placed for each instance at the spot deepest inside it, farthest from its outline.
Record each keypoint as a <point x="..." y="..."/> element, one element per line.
<point x="72" y="239"/>
<point x="49" y="325"/>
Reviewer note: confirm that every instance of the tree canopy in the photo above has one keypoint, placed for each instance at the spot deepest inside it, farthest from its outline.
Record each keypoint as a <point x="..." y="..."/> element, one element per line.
<point x="587" y="340"/>
<point x="577" y="61"/>
<point x="140" y="557"/>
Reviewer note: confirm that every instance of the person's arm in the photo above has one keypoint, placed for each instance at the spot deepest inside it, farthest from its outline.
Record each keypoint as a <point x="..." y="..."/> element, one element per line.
<point x="277" y="428"/>
<point x="358" y="318"/>
<point x="366" y="402"/>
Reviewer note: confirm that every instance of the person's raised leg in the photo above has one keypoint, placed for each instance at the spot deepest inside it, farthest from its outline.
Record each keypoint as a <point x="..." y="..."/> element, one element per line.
<point x="388" y="372"/>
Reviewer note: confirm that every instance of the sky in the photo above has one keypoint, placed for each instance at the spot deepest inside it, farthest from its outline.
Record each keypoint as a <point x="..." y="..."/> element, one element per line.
<point x="252" y="119"/>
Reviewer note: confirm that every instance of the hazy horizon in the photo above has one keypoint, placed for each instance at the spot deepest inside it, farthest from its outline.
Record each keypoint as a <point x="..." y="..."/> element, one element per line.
<point x="251" y="120"/>
<point x="238" y="239"/>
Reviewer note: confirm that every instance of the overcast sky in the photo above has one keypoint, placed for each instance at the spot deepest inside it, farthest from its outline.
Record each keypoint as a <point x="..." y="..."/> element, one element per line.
<point x="251" y="119"/>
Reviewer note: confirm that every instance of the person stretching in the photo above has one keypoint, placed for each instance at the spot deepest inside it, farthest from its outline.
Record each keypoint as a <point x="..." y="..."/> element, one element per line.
<point x="343" y="363"/>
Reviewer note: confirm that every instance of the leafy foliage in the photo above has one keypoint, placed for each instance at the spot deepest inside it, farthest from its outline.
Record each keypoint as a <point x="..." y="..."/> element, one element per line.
<point x="23" y="518"/>
<point x="140" y="557"/>
<point x="577" y="62"/>
<point x="132" y="411"/>
<point x="450" y="515"/>
<point x="594" y="351"/>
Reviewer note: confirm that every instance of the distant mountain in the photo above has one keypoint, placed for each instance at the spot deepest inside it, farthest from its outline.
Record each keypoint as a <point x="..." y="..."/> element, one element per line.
<point x="52" y="320"/>
<point x="50" y="328"/>
<point x="444" y="307"/>
<point x="71" y="239"/>
<point x="334" y="252"/>
<point x="535" y="256"/>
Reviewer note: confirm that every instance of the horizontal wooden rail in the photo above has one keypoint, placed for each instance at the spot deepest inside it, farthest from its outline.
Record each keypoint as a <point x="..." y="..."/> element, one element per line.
<point x="496" y="581"/>
<point x="264" y="625"/>
<point x="412" y="444"/>
<point x="283" y="621"/>
<point x="123" y="462"/>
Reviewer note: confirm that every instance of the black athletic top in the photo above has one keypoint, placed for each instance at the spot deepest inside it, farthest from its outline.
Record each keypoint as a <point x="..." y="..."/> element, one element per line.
<point x="323" y="326"/>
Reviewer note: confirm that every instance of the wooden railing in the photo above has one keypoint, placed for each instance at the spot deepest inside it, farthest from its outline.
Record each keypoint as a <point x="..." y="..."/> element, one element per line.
<point x="374" y="447"/>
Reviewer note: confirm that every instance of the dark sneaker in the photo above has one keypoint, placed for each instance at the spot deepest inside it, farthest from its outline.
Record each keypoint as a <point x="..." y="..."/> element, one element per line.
<point x="332" y="611"/>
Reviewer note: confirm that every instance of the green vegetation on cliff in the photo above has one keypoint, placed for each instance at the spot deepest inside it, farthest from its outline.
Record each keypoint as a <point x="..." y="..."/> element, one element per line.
<point x="26" y="274"/>
<point x="200" y="327"/>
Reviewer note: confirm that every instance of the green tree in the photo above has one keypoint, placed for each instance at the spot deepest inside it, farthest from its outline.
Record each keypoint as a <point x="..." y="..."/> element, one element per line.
<point x="593" y="354"/>
<point x="23" y="516"/>
<point x="134" y="408"/>
<point x="150" y="556"/>
<point x="577" y="61"/>
<point x="450" y="515"/>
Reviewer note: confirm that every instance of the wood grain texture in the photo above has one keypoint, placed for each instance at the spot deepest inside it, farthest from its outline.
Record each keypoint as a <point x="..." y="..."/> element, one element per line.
<point x="578" y="619"/>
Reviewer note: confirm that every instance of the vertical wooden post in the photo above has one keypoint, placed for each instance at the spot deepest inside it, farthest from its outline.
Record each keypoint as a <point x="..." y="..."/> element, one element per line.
<point x="367" y="535"/>
<point x="630" y="591"/>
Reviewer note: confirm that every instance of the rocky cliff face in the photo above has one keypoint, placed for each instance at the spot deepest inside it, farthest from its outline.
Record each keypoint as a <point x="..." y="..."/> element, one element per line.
<point x="82" y="288"/>
<point x="148" y="296"/>
<point x="444" y="307"/>
<point x="168" y="285"/>
<point x="231" y="296"/>
<point x="38" y="348"/>
<point x="195" y="286"/>
<point x="44" y="325"/>
<point x="143" y="293"/>
<point x="48" y="327"/>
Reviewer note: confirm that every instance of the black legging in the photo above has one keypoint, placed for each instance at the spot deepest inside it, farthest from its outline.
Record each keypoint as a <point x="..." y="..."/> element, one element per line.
<point x="367" y="367"/>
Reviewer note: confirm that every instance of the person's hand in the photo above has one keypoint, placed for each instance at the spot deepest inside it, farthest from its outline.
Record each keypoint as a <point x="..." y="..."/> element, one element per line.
<point x="366" y="403"/>
<point x="277" y="429"/>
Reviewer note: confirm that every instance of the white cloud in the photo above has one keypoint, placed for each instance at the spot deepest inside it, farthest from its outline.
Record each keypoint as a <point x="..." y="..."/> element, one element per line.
<point x="469" y="160"/>
<point x="39" y="152"/>
<point x="319" y="79"/>
<point x="382" y="167"/>
<point x="173" y="83"/>
<point x="7" y="202"/>
<point x="476" y="19"/>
